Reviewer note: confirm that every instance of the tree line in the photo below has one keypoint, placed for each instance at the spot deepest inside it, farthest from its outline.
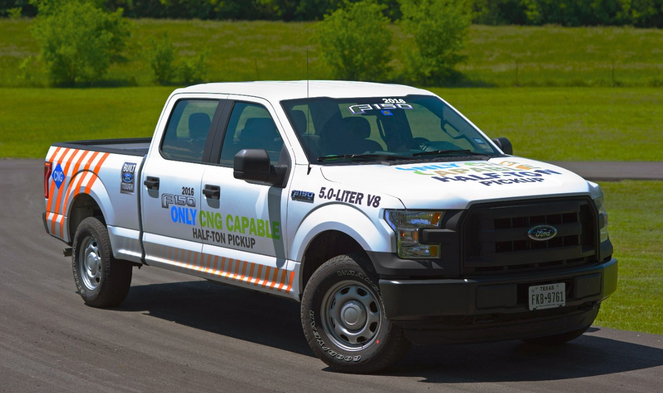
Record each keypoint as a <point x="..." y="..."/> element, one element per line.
<point x="79" y="40"/>
<point x="638" y="13"/>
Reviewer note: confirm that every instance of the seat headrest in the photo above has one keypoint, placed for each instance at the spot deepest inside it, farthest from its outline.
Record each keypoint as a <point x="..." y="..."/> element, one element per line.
<point x="258" y="129"/>
<point x="199" y="125"/>
<point x="357" y="127"/>
<point x="298" y="118"/>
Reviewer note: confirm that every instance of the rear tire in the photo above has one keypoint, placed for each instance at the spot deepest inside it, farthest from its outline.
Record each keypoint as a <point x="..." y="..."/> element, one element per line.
<point x="344" y="319"/>
<point x="101" y="280"/>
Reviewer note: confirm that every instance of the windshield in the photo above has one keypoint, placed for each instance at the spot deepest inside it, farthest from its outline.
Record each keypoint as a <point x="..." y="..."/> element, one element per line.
<point x="375" y="129"/>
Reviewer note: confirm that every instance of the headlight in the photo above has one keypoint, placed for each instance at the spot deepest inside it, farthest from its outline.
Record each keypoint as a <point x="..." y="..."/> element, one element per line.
<point x="406" y="225"/>
<point x="599" y="202"/>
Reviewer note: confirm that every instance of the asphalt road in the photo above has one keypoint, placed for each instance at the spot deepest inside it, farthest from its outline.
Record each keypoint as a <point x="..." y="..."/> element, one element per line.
<point x="175" y="334"/>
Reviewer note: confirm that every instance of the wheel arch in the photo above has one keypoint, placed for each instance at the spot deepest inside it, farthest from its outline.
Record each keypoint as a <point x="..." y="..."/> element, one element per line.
<point x="84" y="205"/>
<point x="321" y="237"/>
<point x="325" y="246"/>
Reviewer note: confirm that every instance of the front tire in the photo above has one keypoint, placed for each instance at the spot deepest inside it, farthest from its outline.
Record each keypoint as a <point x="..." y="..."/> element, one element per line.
<point x="344" y="320"/>
<point x="101" y="280"/>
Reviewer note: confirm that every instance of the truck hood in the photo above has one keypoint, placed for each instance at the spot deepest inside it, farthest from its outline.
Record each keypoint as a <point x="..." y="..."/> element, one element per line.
<point x="456" y="185"/>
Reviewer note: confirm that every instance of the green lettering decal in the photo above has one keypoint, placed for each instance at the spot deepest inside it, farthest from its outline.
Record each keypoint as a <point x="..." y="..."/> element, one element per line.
<point x="268" y="234"/>
<point x="252" y="227"/>
<point x="245" y="224"/>
<point x="240" y="224"/>
<point x="201" y="220"/>
<point x="276" y="228"/>
<point x="261" y="228"/>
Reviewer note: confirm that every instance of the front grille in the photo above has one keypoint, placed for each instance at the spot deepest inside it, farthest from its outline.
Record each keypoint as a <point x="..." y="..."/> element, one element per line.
<point x="495" y="236"/>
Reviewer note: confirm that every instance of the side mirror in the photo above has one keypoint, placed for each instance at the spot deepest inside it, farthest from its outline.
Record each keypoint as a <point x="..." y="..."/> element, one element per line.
<point x="254" y="165"/>
<point x="504" y="145"/>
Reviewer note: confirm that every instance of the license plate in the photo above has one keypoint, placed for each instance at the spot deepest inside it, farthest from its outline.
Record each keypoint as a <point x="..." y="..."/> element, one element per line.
<point x="547" y="296"/>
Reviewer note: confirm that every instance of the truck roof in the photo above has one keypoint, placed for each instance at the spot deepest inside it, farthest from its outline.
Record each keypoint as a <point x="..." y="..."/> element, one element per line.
<point x="285" y="90"/>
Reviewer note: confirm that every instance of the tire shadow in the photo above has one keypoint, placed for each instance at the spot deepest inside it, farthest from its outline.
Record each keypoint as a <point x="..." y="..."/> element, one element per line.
<point x="223" y="309"/>
<point x="275" y="322"/>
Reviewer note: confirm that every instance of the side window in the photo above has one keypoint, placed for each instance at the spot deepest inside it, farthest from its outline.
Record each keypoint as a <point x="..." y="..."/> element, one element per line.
<point x="250" y="127"/>
<point x="187" y="130"/>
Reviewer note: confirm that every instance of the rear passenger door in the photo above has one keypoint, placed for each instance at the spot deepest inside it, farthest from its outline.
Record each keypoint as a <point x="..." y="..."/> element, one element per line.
<point x="242" y="222"/>
<point x="171" y="183"/>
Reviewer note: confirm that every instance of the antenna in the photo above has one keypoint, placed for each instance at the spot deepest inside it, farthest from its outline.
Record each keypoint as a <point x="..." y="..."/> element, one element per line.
<point x="308" y="114"/>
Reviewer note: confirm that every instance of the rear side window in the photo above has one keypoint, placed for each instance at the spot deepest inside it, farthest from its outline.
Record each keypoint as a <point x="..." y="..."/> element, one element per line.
<point x="187" y="130"/>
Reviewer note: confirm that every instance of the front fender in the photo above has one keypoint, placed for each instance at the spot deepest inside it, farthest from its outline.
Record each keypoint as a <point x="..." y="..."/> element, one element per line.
<point x="372" y="233"/>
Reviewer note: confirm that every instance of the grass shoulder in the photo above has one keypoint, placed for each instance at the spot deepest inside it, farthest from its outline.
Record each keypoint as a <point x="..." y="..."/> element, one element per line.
<point x="636" y="233"/>
<point x="568" y="123"/>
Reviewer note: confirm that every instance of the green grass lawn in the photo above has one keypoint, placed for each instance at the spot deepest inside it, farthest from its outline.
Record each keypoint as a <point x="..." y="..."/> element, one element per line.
<point x="496" y="55"/>
<point x="550" y="124"/>
<point x="563" y="56"/>
<point x="545" y="123"/>
<point x="32" y="119"/>
<point x="636" y="231"/>
<point x="569" y="124"/>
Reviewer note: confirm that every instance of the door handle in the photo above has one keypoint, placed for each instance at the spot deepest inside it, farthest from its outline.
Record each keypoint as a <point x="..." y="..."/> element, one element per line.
<point x="212" y="192"/>
<point x="152" y="183"/>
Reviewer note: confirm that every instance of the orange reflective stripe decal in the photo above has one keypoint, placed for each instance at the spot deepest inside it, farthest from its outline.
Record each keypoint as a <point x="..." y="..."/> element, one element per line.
<point x="70" y="162"/>
<point x="96" y="171"/>
<point x="272" y="278"/>
<point x="67" y="164"/>
<point x="57" y="159"/>
<point x="257" y="277"/>
<point x="282" y="283"/>
<point x="292" y="277"/>
<point x="51" y="185"/>
<point x="244" y="277"/>
<point x="250" y="276"/>
<point x="275" y="278"/>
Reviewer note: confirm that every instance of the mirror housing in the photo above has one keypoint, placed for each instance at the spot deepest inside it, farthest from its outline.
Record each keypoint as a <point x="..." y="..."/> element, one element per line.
<point x="253" y="165"/>
<point x="504" y="145"/>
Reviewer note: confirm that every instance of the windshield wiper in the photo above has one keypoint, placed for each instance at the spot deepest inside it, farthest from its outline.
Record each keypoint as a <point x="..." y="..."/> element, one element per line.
<point x="455" y="151"/>
<point x="366" y="156"/>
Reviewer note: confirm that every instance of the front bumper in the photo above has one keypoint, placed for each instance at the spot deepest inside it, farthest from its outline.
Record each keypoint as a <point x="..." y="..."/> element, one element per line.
<point x="495" y="308"/>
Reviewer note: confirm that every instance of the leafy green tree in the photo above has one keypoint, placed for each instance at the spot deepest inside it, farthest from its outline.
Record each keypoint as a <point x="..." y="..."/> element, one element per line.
<point x="193" y="69"/>
<point x="499" y="12"/>
<point x="16" y="8"/>
<point x="78" y="39"/>
<point x="354" y="41"/>
<point x="438" y="28"/>
<point x="161" y="56"/>
<point x="594" y="12"/>
<point x="160" y="53"/>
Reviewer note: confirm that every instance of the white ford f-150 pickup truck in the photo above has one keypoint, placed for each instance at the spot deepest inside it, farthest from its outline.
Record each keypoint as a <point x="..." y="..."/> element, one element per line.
<point x="386" y="213"/>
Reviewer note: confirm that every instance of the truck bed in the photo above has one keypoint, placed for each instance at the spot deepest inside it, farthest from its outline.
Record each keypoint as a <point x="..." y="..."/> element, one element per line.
<point x="128" y="146"/>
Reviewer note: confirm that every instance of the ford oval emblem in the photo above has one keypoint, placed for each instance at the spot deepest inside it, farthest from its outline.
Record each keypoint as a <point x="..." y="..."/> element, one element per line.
<point x="542" y="233"/>
<point x="127" y="177"/>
